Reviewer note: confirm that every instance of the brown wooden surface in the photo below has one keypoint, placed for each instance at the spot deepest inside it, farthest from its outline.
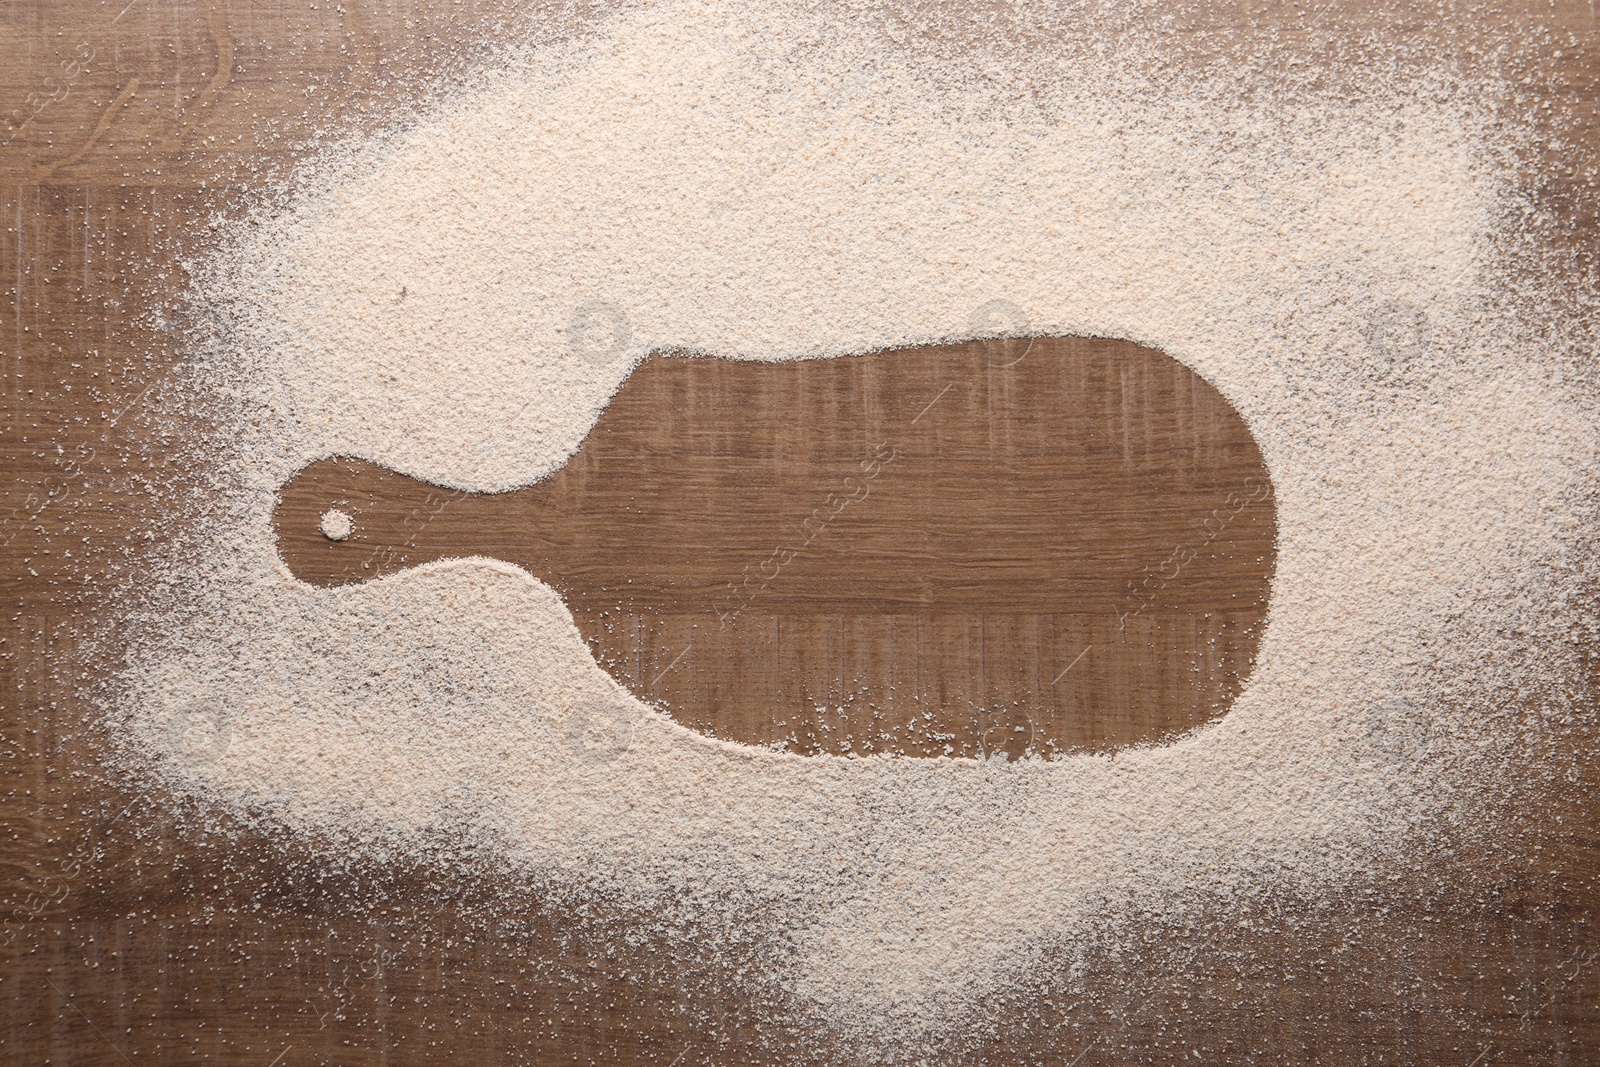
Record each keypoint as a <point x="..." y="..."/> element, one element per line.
<point x="1070" y="549"/>
<point x="135" y="932"/>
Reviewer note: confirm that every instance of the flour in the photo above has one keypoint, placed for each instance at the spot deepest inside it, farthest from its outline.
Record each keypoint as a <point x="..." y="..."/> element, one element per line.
<point x="336" y="525"/>
<point x="459" y="299"/>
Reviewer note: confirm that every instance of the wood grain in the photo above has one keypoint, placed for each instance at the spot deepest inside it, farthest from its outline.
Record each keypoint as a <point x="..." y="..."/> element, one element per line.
<point x="136" y="930"/>
<point x="1069" y="549"/>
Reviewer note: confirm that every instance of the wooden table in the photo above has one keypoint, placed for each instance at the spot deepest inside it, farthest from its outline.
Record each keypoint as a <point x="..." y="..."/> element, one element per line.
<point x="138" y="930"/>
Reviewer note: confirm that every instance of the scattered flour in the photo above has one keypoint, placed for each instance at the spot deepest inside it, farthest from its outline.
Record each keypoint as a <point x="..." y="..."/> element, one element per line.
<point x="336" y="525"/>
<point x="770" y="185"/>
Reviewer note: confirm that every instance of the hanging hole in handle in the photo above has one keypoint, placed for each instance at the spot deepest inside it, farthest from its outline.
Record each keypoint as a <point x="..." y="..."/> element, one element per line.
<point x="336" y="525"/>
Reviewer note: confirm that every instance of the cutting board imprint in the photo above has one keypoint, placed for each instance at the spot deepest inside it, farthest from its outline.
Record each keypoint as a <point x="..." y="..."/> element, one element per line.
<point x="1037" y="546"/>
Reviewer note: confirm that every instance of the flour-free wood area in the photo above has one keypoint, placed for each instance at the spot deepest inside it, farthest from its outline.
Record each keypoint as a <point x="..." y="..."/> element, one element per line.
<point x="139" y="932"/>
<point x="919" y="552"/>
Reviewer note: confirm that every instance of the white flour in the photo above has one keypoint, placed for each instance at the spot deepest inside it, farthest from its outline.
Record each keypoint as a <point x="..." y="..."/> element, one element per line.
<point x="459" y="301"/>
